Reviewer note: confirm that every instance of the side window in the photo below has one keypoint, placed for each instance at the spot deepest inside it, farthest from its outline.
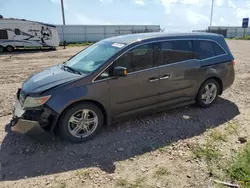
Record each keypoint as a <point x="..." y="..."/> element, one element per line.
<point x="105" y="74"/>
<point x="3" y="34"/>
<point x="17" y="32"/>
<point x="137" y="59"/>
<point x="176" y="51"/>
<point x="209" y="49"/>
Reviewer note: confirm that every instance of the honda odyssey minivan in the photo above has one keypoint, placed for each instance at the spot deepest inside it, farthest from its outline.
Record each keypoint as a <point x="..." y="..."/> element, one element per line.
<point x="123" y="76"/>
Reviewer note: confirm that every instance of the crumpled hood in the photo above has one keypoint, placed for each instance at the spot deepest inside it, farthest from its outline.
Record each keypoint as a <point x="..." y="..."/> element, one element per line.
<point x="47" y="79"/>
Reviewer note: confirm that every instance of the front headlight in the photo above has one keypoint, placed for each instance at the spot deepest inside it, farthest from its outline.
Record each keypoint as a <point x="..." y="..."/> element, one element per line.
<point x="35" y="101"/>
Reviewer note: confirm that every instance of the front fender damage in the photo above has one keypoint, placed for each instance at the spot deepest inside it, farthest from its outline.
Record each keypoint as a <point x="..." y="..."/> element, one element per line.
<point x="33" y="121"/>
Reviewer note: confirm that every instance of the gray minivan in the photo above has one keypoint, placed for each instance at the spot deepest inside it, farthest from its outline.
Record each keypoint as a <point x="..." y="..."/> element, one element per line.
<point x="122" y="76"/>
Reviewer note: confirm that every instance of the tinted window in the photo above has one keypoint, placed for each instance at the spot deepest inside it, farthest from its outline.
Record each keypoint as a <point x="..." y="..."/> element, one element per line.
<point x="17" y="32"/>
<point x="209" y="49"/>
<point x="176" y="51"/>
<point x="3" y="34"/>
<point x="106" y="74"/>
<point x="137" y="59"/>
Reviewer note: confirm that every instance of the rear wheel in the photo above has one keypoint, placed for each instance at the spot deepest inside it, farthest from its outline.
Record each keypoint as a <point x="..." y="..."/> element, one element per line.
<point x="208" y="93"/>
<point x="9" y="48"/>
<point x="81" y="122"/>
<point x="1" y="49"/>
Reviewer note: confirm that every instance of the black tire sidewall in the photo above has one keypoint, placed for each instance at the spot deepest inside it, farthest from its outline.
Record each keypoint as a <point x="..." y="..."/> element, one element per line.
<point x="1" y="47"/>
<point x="11" y="47"/>
<point x="63" y="122"/>
<point x="199" y="100"/>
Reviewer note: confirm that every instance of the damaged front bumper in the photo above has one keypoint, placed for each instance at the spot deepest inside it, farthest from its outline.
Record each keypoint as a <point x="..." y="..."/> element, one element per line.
<point x="33" y="120"/>
<point x="25" y="126"/>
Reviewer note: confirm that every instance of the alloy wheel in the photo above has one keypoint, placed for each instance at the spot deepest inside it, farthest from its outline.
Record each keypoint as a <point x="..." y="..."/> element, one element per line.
<point x="83" y="123"/>
<point x="209" y="93"/>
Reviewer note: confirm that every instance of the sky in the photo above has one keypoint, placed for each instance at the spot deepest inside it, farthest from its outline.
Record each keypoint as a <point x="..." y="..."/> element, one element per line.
<point x="171" y="15"/>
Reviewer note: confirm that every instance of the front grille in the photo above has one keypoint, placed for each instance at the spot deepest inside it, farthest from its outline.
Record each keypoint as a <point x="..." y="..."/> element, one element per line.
<point x="22" y="96"/>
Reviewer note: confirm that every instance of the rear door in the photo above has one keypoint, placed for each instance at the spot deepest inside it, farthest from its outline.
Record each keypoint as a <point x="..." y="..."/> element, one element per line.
<point x="179" y="71"/>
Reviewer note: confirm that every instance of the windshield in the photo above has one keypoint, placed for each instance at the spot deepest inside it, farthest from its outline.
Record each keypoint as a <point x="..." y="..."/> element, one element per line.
<point x="94" y="56"/>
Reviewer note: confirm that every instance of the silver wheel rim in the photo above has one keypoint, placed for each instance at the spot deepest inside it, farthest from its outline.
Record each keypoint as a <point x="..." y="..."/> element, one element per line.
<point x="83" y="123"/>
<point x="209" y="93"/>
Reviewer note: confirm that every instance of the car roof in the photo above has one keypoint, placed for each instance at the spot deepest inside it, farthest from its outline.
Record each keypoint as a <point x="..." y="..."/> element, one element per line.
<point x="131" y="38"/>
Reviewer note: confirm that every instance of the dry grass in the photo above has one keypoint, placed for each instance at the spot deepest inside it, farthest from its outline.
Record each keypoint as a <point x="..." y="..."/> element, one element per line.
<point x="162" y="171"/>
<point x="240" y="168"/>
<point x="232" y="128"/>
<point x="207" y="151"/>
<point x="60" y="185"/>
<point x="218" y="136"/>
<point x="83" y="173"/>
<point x="138" y="183"/>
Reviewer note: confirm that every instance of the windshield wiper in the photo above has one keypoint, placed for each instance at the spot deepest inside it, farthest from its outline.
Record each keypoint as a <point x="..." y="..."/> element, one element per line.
<point x="71" y="69"/>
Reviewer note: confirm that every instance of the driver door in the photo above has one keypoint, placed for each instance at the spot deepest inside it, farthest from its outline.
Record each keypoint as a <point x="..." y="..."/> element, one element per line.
<point x="140" y="87"/>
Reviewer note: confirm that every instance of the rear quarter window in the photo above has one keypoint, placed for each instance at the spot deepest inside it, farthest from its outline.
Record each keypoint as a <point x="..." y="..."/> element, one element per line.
<point x="209" y="49"/>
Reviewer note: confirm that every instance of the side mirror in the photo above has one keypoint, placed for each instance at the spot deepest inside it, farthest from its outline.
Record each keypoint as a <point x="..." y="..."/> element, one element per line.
<point x="120" y="71"/>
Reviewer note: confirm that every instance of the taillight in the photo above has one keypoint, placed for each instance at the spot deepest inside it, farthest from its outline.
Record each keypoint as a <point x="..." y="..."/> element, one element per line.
<point x="233" y="62"/>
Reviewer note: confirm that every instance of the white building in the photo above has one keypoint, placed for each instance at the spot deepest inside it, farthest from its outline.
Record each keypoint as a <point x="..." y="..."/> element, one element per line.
<point x="232" y="31"/>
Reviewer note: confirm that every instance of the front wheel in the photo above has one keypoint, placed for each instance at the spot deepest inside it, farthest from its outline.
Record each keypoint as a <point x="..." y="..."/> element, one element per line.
<point x="208" y="93"/>
<point x="81" y="122"/>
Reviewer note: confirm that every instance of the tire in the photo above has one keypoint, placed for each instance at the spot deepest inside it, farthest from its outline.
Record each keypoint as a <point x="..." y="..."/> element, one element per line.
<point x="67" y="125"/>
<point x="1" y="49"/>
<point x="201" y="98"/>
<point x="9" y="48"/>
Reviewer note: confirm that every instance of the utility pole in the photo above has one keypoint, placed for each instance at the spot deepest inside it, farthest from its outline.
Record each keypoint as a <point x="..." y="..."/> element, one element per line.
<point x="63" y="17"/>
<point x="212" y="11"/>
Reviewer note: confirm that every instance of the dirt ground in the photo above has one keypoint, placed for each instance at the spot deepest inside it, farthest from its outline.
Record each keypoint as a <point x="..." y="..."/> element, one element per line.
<point x="158" y="150"/>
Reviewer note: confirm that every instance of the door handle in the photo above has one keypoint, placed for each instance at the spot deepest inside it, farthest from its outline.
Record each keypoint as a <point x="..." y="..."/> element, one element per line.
<point x="151" y="80"/>
<point x="165" y="77"/>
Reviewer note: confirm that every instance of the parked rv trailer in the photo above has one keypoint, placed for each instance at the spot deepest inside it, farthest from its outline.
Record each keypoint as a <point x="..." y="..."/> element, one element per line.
<point x="16" y="33"/>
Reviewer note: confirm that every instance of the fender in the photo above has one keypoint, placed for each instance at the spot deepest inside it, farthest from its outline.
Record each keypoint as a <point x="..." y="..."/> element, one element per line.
<point x="217" y="71"/>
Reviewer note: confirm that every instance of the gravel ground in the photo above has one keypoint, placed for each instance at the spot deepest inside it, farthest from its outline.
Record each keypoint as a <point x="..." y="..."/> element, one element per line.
<point x="148" y="151"/>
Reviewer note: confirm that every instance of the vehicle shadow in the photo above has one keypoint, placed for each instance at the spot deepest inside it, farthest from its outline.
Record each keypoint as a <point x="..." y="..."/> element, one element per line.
<point x="24" y="157"/>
